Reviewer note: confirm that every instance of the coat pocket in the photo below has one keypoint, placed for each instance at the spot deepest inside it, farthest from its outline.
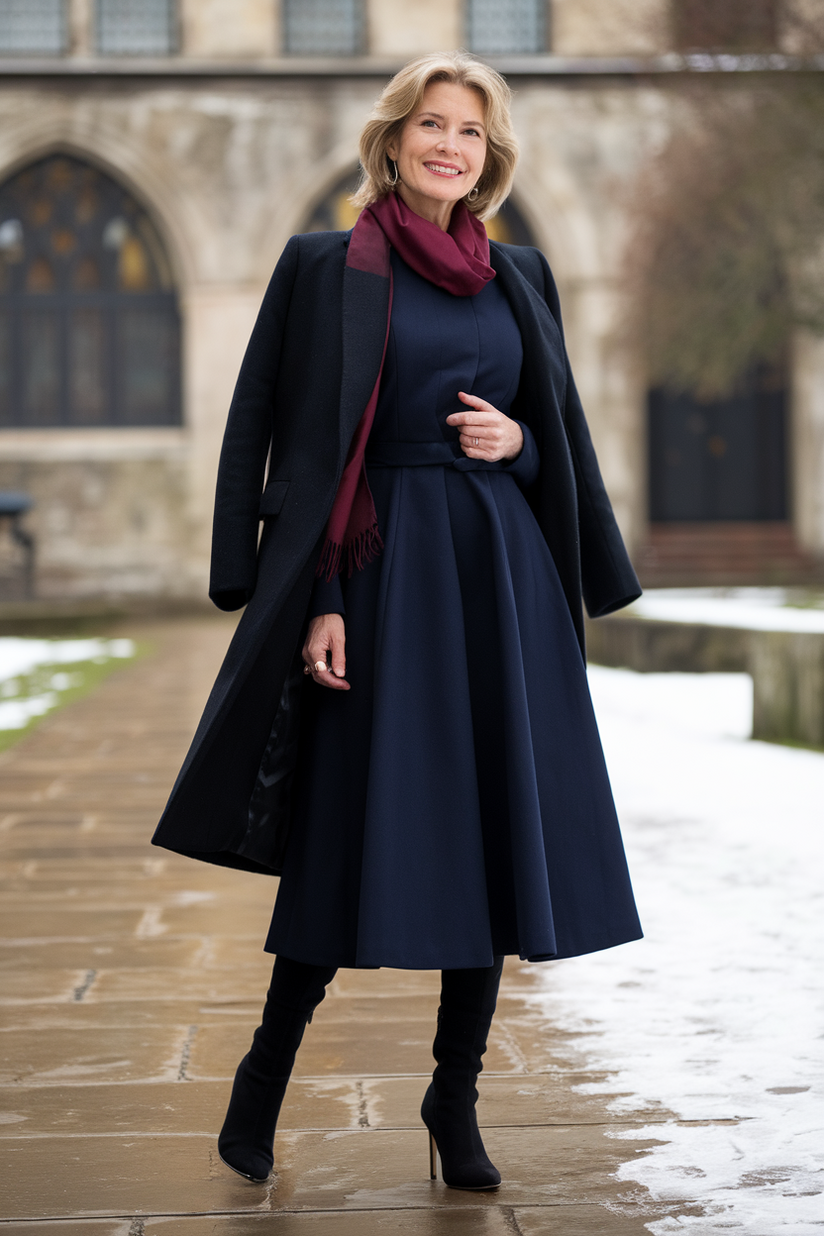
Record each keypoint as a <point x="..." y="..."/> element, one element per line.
<point x="271" y="500"/>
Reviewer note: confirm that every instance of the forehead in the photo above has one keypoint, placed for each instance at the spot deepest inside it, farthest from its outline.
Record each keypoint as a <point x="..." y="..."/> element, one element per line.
<point x="450" y="97"/>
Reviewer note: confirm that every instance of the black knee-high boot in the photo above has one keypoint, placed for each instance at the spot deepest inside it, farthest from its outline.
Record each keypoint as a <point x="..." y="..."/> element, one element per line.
<point x="468" y="999"/>
<point x="245" y="1141"/>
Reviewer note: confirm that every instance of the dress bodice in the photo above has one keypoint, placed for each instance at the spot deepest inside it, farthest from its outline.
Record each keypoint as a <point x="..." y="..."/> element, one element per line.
<point x="440" y="344"/>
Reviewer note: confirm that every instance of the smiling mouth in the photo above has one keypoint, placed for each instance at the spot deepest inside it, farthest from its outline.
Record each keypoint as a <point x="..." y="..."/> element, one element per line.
<point x="441" y="170"/>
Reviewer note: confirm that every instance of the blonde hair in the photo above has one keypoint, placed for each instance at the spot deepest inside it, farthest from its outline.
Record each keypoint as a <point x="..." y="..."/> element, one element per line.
<point x="402" y="97"/>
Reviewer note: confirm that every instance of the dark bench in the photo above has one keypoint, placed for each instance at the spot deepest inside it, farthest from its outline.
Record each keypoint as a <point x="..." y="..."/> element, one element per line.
<point x="13" y="506"/>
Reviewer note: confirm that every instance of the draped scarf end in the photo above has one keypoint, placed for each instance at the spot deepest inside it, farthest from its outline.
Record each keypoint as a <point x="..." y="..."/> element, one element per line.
<point x="354" y="556"/>
<point x="457" y="261"/>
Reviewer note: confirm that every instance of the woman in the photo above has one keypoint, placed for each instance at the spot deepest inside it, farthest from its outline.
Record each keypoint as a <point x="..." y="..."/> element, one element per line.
<point x="410" y="739"/>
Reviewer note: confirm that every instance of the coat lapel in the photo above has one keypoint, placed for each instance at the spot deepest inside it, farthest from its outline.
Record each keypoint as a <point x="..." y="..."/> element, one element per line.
<point x="365" y="312"/>
<point x="544" y="373"/>
<point x="541" y="404"/>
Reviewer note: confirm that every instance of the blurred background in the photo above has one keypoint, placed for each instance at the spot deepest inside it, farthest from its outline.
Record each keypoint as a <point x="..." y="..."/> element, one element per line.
<point x="155" y="156"/>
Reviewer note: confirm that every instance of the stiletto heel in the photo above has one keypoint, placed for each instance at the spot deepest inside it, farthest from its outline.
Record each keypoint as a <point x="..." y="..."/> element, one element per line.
<point x="433" y="1157"/>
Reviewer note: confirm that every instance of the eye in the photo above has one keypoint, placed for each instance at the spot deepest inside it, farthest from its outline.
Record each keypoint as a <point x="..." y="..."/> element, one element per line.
<point x="432" y="122"/>
<point x="474" y="132"/>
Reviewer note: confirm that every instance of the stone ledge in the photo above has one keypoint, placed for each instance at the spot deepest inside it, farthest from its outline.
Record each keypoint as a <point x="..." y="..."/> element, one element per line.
<point x="787" y="667"/>
<point x="58" y="616"/>
<point x="80" y="443"/>
<point x="546" y="65"/>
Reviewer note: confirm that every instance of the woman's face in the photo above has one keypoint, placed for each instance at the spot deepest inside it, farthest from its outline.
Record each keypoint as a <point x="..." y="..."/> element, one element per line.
<point x="441" y="150"/>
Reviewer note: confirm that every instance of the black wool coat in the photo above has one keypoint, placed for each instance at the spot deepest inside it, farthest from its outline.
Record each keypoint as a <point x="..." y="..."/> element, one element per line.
<point x="309" y="369"/>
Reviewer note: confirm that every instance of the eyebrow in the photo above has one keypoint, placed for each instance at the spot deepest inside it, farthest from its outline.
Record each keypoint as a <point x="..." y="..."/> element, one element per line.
<point x="476" y="124"/>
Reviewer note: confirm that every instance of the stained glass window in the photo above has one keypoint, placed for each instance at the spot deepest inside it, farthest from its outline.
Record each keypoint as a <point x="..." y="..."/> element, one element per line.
<point x="500" y="27"/>
<point x="33" y="27"/>
<point x="322" y="27"/>
<point x="136" y="27"/>
<point x="89" y="328"/>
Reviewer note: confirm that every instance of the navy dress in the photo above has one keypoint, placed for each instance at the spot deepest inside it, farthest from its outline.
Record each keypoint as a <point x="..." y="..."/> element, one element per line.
<point x="454" y="804"/>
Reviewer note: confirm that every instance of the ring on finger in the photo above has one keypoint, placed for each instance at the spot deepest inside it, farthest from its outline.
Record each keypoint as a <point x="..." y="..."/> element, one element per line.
<point x="475" y="442"/>
<point x="307" y="669"/>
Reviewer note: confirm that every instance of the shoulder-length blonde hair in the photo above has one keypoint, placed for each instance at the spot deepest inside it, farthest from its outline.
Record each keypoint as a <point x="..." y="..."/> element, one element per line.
<point x="402" y="97"/>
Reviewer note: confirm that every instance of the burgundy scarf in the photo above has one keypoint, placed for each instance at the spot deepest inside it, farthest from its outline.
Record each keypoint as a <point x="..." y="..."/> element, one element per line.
<point x="458" y="262"/>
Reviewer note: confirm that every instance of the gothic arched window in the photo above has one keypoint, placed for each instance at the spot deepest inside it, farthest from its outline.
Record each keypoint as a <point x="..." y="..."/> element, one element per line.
<point x="89" y="324"/>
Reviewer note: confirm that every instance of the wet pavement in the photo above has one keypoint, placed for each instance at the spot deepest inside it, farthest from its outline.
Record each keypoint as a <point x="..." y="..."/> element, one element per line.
<point x="131" y="983"/>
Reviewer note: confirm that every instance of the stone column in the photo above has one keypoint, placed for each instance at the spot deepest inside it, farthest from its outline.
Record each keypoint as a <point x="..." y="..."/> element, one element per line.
<point x="807" y="439"/>
<point x="81" y="28"/>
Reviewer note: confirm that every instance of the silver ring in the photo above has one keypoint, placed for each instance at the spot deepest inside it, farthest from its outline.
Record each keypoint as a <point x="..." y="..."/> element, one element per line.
<point x="475" y="442"/>
<point x="307" y="669"/>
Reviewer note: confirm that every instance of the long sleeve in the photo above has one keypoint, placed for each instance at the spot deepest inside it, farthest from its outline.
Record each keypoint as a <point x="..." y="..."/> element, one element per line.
<point x="246" y="444"/>
<point x="526" y="466"/>
<point x="327" y="597"/>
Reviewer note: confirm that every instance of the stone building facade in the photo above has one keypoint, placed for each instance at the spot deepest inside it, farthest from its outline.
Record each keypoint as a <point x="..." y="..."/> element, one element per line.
<point x="203" y="133"/>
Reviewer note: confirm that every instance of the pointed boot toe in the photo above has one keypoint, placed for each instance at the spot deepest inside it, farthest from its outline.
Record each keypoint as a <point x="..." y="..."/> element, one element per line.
<point x="250" y="1166"/>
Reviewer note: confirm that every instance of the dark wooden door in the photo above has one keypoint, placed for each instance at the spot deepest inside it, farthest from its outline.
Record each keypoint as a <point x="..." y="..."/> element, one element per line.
<point x="725" y="459"/>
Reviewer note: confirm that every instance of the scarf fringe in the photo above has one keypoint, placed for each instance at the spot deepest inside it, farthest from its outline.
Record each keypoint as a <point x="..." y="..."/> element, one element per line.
<point x="365" y="546"/>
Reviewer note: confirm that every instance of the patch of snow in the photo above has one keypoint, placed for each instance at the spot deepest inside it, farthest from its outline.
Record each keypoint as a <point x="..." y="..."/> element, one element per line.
<point x="708" y="705"/>
<point x="753" y="609"/>
<point x="20" y="656"/>
<point x="718" y="1015"/>
<point x="16" y="714"/>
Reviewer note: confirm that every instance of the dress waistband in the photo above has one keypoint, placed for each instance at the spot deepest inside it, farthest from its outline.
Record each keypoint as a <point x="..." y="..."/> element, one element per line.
<point x="425" y="454"/>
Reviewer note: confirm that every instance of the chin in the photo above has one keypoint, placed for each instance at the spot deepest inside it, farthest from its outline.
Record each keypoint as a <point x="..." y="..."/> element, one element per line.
<point x="445" y="190"/>
<point x="442" y="193"/>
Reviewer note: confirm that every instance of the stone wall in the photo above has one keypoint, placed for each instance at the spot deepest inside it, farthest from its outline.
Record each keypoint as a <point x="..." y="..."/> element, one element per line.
<point x="106" y="521"/>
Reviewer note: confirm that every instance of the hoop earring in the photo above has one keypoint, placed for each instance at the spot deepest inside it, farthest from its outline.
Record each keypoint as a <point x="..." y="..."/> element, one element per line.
<point x="392" y="183"/>
<point x="473" y="194"/>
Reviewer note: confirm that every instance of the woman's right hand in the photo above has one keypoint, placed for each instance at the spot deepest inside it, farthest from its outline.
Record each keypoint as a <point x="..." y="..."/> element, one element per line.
<point x="325" y="643"/>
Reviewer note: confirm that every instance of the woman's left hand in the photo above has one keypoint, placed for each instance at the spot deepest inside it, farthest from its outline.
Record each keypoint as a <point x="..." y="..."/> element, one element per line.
<point x="485" y="432"/>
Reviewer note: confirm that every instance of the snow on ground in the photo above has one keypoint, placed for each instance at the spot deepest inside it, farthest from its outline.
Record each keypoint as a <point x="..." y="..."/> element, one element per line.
<point x="718" y="1013"/>
<point x="757" y="609"/>
<point x="22" y="657"/>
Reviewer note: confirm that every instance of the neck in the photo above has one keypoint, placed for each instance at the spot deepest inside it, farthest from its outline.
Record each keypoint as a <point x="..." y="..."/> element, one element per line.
<point x="430" y="208"/>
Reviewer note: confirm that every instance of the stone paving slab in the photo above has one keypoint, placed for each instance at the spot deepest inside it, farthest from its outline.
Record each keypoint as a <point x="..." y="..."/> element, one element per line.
<point x="130" y="984"/>
<point x="346" y="1169"/>
<point x="546" y="1221"/>
<point x="49" y="1106"/>
<point x="554" y="1221"/>
<point x="122" y="1053"/>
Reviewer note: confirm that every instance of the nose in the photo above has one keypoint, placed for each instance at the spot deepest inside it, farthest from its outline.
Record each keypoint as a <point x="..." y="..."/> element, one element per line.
<point x="448" y="142"/>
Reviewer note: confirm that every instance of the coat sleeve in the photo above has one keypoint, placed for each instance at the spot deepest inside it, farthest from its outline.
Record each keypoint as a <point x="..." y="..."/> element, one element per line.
<point x="246" y="446"/>
<point x="608" y="579"/>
